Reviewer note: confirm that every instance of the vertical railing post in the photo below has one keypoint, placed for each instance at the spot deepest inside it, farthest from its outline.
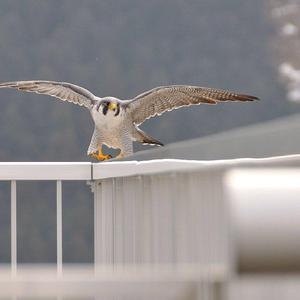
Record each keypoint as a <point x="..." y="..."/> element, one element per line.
<point x="59" y="227"/>
<point x="13" y="220"/>
<point x="103" y="222"/>
<point x="96" y="188"/>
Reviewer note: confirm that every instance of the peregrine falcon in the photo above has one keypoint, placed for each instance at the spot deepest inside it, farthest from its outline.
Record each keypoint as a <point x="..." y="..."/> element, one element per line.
<point x="116" y="121"/>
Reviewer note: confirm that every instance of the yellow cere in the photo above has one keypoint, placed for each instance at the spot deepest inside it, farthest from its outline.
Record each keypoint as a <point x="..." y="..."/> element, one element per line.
<point x="112" y="106"/>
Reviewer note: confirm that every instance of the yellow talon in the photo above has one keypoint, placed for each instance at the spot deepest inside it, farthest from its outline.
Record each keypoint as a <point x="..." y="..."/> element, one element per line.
<point x="100" y="156"/>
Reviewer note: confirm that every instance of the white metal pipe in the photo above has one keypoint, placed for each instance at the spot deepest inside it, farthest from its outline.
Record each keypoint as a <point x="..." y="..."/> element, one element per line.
<point x="59" y="243"/>
<point x="119" y="282"/>
<point x="97" y="171"/>
<point x="97" y="228"/>
<point x="45" y="171"/>
<point x="265" y="218"/>
<point x="13" y="221"/>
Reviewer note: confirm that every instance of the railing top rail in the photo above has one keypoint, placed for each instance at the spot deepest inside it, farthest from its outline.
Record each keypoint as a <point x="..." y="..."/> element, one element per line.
<point x="136" y="168"/>
<point x="45" y="171"/>
<point x="107" y="282"/>
<point x="98" y="171"/>
<point x="124" y="272"/>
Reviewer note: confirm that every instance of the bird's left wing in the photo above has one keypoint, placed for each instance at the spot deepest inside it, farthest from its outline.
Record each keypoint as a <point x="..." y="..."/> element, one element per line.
<point x="62" y="90"/>
<point x="166" y="98"/>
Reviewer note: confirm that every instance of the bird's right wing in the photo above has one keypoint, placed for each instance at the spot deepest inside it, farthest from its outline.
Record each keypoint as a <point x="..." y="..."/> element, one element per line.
<point x="62" y="90"/>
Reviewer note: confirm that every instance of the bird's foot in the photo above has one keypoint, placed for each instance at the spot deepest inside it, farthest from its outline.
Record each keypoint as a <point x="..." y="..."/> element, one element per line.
<point x="100" y="156"/>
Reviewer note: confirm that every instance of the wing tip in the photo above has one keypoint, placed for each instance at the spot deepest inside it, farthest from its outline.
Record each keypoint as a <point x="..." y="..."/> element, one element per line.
<point x="8" y="84"/>
<point x="244" y="97"/>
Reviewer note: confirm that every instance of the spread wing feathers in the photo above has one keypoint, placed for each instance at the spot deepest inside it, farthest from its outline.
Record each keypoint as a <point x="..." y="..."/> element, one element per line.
<point x="166" y="98"/>
<point x="62" y="90"/>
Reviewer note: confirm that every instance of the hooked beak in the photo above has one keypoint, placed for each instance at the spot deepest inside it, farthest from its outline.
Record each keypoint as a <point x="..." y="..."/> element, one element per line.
<point x="112" y="106"/>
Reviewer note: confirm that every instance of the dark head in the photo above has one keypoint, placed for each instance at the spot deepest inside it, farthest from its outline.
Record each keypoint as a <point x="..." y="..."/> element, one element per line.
<point x="105" y="106"/>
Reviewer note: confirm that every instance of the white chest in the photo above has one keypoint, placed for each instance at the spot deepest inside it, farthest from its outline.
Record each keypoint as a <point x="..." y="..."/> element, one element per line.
<point x="109" y="122"/>
<point x="110" y="127"/>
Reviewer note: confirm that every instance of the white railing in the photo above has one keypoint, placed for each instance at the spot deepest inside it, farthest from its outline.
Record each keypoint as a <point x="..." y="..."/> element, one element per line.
<point x="59" y="172"/>
<point x="111" y="283"/>
<point x="162" y="213"/>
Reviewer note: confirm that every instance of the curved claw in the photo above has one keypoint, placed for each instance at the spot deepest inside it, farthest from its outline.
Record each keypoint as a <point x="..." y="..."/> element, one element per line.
<point x="100" y="156"/>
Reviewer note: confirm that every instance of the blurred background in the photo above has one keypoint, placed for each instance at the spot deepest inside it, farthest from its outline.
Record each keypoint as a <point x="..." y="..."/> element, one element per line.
<point x="122" y="48"/>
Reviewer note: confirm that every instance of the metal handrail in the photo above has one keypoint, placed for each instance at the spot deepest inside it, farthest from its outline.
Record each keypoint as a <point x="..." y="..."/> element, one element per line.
<point x="97" y="171"/>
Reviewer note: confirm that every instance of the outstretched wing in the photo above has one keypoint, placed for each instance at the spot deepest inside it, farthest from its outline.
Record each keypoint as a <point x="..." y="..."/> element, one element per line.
<point x="166" y="98"/>
<point x="62" y="90"/>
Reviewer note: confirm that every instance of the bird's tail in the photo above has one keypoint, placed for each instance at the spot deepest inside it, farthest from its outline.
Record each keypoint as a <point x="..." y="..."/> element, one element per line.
<point x="141" y="136"/>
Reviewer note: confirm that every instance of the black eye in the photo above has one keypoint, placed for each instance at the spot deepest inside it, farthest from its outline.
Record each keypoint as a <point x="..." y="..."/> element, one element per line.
<point x="118" y="110"/>
<point x="105" y="108"/>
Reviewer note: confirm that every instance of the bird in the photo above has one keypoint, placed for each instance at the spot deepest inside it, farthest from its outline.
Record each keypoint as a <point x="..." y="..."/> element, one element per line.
<point x="116" y="121"/>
